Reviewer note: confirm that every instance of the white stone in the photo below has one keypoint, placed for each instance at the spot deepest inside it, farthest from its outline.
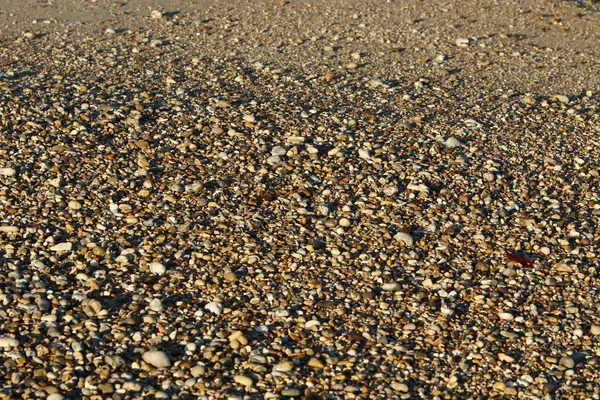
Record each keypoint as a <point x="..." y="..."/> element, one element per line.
<point x="158" y="359"/>
<point x="344" y="222"/>
<point x="595" y="330"/>
<point x="506" y="316"/>
<point x="278" y="151"/>
<point x="390" y="190"/>
<point x="215" y="307"/>
<point x="452" y="142"/>
<point x="55" y="396"/>
<point x="364" y="154"/>
<point x="66" y="246"/>
<point x="9" y="229"/>
<point x="405" y="238"/>
<point x="157" y="268"/>
<point x="156" y="305"/>
<point x="155" y="14"/>
<point x="7" y="171"/>
<point x="391" y="287"/>
<point x="274" y="160"/>
<point x="562" y="98"/>
<point x="249" y="118"/>
<point x="8" y="342"/>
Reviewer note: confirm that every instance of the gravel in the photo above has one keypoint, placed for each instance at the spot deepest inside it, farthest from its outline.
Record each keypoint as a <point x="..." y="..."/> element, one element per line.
<point x="320" y="200"/>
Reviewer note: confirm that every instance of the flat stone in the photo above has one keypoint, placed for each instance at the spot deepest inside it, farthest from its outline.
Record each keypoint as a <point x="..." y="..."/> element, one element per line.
<point x="66" y="246"/>
<point x="158" y="359"/>
<point x="595" y="330"/>
<point x="243" y="380"/>
<point x="8" y="342"/>
<point x="8" y="171"/>
<point x="391" y="287"/>
<point x="405" y="238"/>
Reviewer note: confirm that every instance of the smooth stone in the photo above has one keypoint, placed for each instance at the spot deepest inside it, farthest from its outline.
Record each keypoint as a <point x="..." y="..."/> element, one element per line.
<point x="595" y="330"/>
<point x="198" y="370"/>
<point x="243" y="380"/>
<point x="249" y="118"/>
<point x="391" y="287"/>
<point x="344" y="222"/>
<point x="405" y="238"/>
<point x="9" y="229"/>
<point x="8" y="171"/>
<point x="291" y="393"/>
<point x="158" y="359"/>
<point x="8" y="342"/>
<point x="315" y="363"/>
<point x="74" y="205"/>
<point x="562" y="98"/>
<point x="62" y="247"/>
<point x="155" y="14"/>
<point x="506" y="316"/>
<point x="156" y="305"/>
<point x="215" y="307"/>
<point x="55" y="396"/>
<point x="566" y="362"/>
<point x="132" y="386"/>
<point x="157" y="268"/>
<point x="452" y="142"/>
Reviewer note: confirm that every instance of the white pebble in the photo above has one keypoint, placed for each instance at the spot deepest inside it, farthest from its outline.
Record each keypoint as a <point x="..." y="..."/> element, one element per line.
<point x="506" y="316"/>
<point x="391" y="287"/>
<point x="7" y="171"/>
<point x="405" y="238"/>
<point x="215" y="307"/>
<point x="158" y="359"/>
<point x="452" y="142"/>
<point x="157" y="268"/>
<point x="8" y="342"/>
<point x="62" y="247"/>
<point x="344" y="222"/>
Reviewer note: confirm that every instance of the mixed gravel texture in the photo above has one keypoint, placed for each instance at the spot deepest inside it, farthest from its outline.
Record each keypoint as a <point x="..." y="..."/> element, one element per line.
<point x="299" y="199"/>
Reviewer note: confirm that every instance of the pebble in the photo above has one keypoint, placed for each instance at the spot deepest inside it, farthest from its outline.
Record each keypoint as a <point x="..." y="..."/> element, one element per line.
<point x="391" y="287"/>
<point x="230" y="188"/>
<point x="156" y="305"/>
<point x="243" y="380"/>
<point x="405" y="238"/>
<point x="506" y="316"/>
<point x="66" y="246"/>
<point x="344" y="222"/>
<point x="452" y="142"/>
<point x="8" y="171"/>
<point x="215" y="307"/>
<point x="566" y="362"/>
<point x="291" y="392"/>
<point x="55" y="396"/>
<point x="158" y="359"/>
<point x="157" y="268"/>
<point x="8" y="342"/>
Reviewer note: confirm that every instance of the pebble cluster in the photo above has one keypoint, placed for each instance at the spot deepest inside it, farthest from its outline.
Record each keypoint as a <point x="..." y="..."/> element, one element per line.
<point x="188" y="221"/>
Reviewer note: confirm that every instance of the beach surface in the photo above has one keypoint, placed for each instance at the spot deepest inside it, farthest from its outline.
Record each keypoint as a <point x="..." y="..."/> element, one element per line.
<point x="299" y="199"/>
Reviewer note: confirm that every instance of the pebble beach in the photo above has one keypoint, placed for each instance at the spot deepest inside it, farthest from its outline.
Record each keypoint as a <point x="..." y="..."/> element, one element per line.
<point x="299" y="199"/>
